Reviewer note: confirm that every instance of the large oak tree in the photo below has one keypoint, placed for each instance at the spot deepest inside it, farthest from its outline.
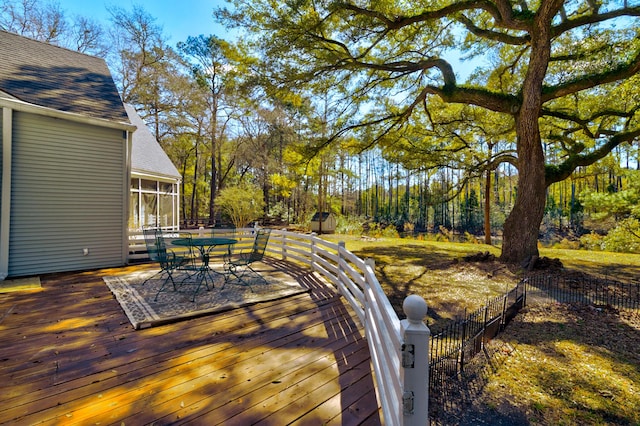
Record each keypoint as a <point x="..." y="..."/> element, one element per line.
<point x="564" y="73"/>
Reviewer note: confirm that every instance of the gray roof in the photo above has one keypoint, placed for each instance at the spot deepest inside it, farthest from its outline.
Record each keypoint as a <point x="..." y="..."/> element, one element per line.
<point x="62" y="79"/>
<point x="146" y="153"/>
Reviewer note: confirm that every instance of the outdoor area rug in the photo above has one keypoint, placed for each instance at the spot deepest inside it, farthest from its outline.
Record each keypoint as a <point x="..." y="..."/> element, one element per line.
<point x="137" y="300"/>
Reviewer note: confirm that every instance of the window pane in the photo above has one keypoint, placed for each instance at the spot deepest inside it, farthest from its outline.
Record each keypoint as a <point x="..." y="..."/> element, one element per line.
<point x="134" y="212"/>
<point x="149" y="209"/>
<point x="166" y="210"/>
<point x="149" y="185"/>
<point x="166" y="188"/>
<point x="135" y="183"/>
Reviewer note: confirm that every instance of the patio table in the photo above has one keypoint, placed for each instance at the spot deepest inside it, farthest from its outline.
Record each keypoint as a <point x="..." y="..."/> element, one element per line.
<point x="204" y="246"/>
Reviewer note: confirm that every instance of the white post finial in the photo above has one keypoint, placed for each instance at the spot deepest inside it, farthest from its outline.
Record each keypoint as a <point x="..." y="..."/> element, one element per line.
<point x="415" y="308"/>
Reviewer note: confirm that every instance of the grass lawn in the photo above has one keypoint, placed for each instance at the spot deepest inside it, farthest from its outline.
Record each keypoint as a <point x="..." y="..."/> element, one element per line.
<point x="566" y="364"/>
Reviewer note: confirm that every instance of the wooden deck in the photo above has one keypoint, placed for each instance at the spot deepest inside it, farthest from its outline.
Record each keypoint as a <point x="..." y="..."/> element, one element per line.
<point x="70" y="356"/>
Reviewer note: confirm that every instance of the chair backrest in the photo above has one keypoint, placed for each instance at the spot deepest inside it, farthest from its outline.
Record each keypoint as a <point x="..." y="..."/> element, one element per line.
<point x="259" y="245"/>
<point x="151" y="241"/>
<point x="156" y="246"/>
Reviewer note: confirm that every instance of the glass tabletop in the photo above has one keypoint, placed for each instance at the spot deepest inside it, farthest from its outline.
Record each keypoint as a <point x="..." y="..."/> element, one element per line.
<point x="204" y="241"/>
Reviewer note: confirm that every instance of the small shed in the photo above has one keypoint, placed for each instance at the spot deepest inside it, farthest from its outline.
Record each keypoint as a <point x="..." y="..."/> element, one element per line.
<point x="323" y="223"/>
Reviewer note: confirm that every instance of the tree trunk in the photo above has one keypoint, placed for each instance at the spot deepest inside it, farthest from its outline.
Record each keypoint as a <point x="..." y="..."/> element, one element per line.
<point x="521" y="228"/>
<point x="520" y="238"/>
<point x="213" y="185"/>
<point x="487" y="208"/>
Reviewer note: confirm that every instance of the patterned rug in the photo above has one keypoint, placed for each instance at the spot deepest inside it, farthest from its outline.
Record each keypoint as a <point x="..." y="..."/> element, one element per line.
<point x="138" y="301"/>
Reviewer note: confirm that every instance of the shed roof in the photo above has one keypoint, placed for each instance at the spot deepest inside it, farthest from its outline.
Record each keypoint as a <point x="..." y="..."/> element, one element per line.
<point x="54" y="77"/>
<point x="325" y="216"/>
<point x="146" y="153"/>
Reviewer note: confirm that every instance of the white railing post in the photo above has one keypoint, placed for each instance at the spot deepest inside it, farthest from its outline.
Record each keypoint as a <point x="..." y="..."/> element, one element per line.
<point x="284" y="245"/>
<point x="341" y="247"/>
<point x="372" y="264"/>
<point x="415" y="362"/>
<point x="313" y="250"/>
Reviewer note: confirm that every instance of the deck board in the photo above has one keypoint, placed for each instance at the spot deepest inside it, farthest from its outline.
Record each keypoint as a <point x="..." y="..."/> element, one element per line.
<point x="70" y="356"/>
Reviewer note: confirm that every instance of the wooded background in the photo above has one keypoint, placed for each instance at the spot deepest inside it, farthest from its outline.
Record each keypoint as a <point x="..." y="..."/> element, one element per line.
<point x="220" y="110"/>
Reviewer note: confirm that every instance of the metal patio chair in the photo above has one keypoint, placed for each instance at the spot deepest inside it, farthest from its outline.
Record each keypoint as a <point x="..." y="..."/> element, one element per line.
<point x="240" y="264"/>
<point x="169" y="261"/>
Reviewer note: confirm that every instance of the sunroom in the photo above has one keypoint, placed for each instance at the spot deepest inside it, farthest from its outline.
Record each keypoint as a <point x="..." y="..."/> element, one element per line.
<point x="155" y="182"/>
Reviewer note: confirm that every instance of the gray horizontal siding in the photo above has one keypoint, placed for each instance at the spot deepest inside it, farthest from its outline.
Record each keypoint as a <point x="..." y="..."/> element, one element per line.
<point x="1" y="148"/>
<point x="68" y="182"/>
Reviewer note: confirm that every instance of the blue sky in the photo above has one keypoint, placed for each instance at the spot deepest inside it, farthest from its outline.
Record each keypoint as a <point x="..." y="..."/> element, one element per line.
<point x="182" y="18"/>
<point x="178" y="19"/>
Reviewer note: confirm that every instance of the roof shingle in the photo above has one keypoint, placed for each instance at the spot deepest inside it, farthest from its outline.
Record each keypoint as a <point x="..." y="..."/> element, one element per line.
<point x="147" y="155"/>
<point x="62" y="79"/>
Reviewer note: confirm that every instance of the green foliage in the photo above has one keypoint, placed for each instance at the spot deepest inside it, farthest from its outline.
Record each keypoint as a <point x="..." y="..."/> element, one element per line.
<point x="377" y="230"/>
<point x="385" y="68"/>
<point x="624" y="207"/>
<point x="623" y="203"/>
<point x="624" y="238"/>
<point x="242" y="204"/>
<point x="591" y="241"/>
<point x="470" y="238"/>
<point x="350" y="225"/>
<point x="471" y="216"/>
<point x="280" y="211"/>
<point x="445" y="234"/>
<point x="390" y="232"/>
<point x="567" y="244"/>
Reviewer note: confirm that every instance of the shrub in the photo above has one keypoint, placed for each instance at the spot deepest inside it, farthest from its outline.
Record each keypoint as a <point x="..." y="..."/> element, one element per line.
<point x="408" y="227"/>
<point x="350" y="225"/>
<point x="445" y="235"/>
<point x="280" y="211"/>
<point x="591" y="241"/>
<point x="390" y="232"/>
<point x="566" y="243"/>
<point x="624" y="238"/>
<point x="470" y="238"/>
<point x="242" y="203"/>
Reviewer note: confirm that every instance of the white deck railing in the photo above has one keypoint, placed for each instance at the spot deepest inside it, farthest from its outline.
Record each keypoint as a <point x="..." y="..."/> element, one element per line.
<point x="399" y="349"/>
<point x="395" y="346"/>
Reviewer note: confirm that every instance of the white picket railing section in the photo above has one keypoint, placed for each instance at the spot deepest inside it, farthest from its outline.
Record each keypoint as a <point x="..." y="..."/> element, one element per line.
<point x="395" y="346"/>
<point x="399" y="349"/>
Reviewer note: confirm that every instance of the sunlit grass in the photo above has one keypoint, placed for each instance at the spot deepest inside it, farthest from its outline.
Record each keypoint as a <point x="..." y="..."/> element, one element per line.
<point x="621" y="266"/>
<point x="437" y="271"/>
<point x="570" y="365"/>
<point x="434" y="270"/>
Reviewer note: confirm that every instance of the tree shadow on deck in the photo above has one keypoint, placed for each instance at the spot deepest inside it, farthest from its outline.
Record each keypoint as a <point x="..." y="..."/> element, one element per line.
<point x="357" y="394"/>
<point x="265" y="363"/>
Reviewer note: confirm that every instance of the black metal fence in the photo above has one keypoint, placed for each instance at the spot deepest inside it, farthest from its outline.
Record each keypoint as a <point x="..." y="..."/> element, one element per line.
<point x="587" y="290"/>
<point x="453" y="367"/>
<point x="455" y="346"/>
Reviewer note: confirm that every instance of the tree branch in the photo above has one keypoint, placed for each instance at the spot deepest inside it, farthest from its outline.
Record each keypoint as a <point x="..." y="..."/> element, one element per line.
<point x="494" y="35"/>
<point x="501" y="12"/>
<point x="570" y="24"/>
<point x="578" y="84"/>
<point x="557" y="173"/>
<point x="498" y="102"/>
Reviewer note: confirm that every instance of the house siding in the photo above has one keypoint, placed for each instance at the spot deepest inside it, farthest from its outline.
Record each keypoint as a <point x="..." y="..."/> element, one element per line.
<point x="69" y="186"/>
<point x="1" y="155"/>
